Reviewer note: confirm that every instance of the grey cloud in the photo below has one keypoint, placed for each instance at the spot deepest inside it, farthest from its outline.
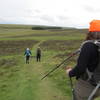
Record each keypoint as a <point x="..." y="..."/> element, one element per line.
<point x="32" y="11"/>
<point x="3" y="20"/>
<point x="91" y="9"/>
<point x="47" y="18"/>
<point x="63" y="17"/>
<point x="37" y="11"/>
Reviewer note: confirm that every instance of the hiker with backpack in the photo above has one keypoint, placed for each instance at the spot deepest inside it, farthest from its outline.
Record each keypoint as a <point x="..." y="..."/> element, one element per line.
<point x="38" y="54"/>
<point x="87" y="69"/>
<point x="27" y="54"/>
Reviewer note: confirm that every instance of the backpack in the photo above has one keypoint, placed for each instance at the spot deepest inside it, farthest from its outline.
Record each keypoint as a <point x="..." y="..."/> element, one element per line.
<point x="93" y="77"/>
<point x="27" y="52"/>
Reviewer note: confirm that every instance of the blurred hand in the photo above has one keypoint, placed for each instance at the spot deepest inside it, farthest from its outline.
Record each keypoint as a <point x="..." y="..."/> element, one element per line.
<point x="68" y="69"/>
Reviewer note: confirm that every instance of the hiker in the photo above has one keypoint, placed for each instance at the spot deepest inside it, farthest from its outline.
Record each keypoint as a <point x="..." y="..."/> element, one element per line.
<point x="38" y="54"/>
<point x="27" y="54"/>
<point x="87" y="65"/>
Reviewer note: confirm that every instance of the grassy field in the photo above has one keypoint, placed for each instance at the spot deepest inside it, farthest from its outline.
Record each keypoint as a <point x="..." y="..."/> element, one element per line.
<point x="20" y="81"/>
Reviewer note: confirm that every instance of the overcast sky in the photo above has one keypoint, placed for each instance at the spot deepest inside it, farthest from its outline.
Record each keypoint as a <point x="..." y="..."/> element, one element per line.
<point x="67" y="13"/>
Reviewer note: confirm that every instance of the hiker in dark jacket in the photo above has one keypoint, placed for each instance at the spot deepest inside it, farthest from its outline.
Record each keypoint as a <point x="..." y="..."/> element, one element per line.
<point x="86" y="64"/>
<point x="27" y="54"/>
<point x="38" y="54"/>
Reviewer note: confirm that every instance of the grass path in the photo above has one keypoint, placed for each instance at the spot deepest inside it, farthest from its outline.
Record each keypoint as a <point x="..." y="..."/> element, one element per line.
<point x="45" y="89"/>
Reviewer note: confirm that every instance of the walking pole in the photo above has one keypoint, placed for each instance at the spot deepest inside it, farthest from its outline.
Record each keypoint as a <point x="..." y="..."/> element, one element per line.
<point x="67" y="59"/>
<point x="94" y="91"/>
<point x="72" y="89"/>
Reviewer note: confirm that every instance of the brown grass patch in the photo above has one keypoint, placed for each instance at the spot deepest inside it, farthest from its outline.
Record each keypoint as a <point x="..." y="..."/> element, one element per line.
<point x="61" y="45"/>
<point x="15" y="47"/>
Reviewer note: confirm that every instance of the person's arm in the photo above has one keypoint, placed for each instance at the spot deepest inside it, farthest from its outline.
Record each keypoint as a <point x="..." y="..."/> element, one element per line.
<point x="40" y="51"/>
<point x="25" y="53"/>
<point x="30" y="53"/>
<point x="87" y="50"/>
